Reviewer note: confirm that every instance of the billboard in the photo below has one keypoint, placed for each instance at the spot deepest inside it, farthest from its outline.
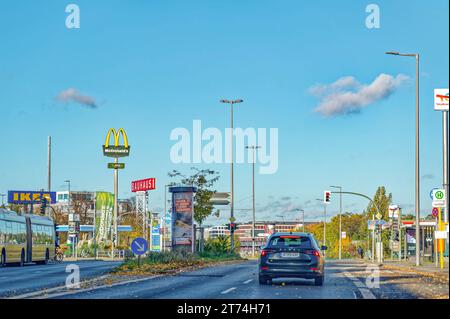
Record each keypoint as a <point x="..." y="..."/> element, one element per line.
<point x="104" y="205"/>
<point x="143" y="185"/>
<point x="29" y="197"/>
<point x="182" y="215"/>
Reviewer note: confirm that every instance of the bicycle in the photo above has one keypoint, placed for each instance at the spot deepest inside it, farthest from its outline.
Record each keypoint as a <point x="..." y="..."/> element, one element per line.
<point x="59" y="255"/>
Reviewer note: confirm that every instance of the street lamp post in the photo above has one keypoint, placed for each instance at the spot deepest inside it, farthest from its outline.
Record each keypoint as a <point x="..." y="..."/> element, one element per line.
<point x="303" y="217"/>
<point x="253" y="148"/>
<point x="340" y="220"/>
<point x="417" y="57"/>
<point x="232" y="102"/>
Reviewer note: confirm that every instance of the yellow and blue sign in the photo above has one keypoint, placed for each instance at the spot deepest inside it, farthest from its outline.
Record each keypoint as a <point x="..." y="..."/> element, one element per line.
<point x="28" y="197"/>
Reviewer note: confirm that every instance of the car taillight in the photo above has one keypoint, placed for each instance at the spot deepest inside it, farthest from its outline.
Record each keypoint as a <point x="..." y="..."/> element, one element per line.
<point x="264" y="252"/>
<point x="313" y="252"/>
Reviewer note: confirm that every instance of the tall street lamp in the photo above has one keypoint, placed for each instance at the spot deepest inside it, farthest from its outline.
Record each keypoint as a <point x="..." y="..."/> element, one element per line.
<point x="303" y="217"/>
<point x="232" y="102"/>
<point x="340" y="220"/>
<point x="253" y="148"/>
<point x="416" y="56"/>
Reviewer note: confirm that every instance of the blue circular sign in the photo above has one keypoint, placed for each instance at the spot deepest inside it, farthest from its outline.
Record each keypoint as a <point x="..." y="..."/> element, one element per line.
<point x="139" y="246"/>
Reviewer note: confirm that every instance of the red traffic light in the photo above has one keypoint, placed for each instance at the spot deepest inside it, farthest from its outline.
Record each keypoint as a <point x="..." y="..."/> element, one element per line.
<point x="326" y="196"/>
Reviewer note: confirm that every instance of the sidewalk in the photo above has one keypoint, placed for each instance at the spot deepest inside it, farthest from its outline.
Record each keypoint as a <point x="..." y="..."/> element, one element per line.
<point x="425" y="269"/>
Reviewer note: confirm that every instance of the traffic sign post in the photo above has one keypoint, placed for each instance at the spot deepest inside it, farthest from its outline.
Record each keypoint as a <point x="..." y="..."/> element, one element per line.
<point x="139" y="247"/>
<point x="439" y="198"/>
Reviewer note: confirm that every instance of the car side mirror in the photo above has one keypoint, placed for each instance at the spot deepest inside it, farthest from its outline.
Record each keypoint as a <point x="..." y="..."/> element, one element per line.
<point x="323" y="248"/>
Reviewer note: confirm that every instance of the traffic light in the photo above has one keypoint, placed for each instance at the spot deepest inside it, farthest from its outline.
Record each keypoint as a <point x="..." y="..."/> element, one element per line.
<point x="326" y="197"/>
<point x="43" y="205"/>
<point x="232" y="226"/>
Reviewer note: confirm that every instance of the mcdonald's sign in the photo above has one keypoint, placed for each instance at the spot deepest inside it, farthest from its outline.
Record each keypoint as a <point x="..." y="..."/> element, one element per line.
<point x="116" y="150"/>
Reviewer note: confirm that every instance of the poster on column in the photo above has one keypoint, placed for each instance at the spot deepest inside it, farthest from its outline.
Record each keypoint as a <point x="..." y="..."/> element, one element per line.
<point x="182" y="218"/>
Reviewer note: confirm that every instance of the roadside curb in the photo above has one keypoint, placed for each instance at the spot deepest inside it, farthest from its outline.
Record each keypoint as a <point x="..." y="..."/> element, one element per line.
<point x="441" y="277"/>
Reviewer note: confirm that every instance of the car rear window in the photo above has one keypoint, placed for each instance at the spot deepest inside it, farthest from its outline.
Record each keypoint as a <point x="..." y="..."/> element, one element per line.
<point x="290" y="241"/>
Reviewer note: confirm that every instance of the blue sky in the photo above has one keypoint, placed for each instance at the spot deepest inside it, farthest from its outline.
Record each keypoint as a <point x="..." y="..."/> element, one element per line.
<point x="152" y="66"/>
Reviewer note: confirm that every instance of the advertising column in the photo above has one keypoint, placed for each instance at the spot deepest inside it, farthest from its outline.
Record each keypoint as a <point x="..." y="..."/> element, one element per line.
<point x="182" y="217"/>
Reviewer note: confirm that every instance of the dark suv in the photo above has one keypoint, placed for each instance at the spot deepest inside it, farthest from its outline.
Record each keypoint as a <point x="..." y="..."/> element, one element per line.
<point x="291" y="255"/>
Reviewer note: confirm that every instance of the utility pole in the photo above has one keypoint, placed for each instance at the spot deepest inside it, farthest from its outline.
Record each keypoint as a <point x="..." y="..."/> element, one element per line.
<point x="253" y="148"/>
<point x="232" y="102"/>
<point x="49" y="168"/>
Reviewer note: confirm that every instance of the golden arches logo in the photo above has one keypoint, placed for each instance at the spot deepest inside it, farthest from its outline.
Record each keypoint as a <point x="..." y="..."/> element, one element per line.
<point x="116" y="137"/>
<point x="116" y="150"/>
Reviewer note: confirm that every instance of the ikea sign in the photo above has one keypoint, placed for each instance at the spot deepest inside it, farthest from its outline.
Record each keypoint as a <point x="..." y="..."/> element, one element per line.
<point x="27" y="197"/>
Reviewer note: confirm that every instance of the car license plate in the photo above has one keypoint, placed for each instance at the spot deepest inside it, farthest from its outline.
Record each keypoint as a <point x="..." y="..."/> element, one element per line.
<point x="290" y="255"/>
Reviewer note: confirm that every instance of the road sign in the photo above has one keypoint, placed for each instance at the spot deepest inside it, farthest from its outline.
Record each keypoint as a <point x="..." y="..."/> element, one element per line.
<point x="139" y="246"/>
<point x="440" y="234"/>
<point x="74" y="218"/>
<point x="223" y="198"/>
<point x="439" y="194"/>
<point x="438" y="197"/>
<point x="431" y="193"/>
<point x="441" y="99"/>
<point x="116" y="165"/>
<point x="435" y="212"/>
<point x="378" y="216"/>
<point x="344" y="235"/>
<point x="232" y="219"/>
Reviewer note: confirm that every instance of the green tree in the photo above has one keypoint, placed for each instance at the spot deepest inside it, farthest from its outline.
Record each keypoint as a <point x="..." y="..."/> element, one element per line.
<point x="382" y="200"/>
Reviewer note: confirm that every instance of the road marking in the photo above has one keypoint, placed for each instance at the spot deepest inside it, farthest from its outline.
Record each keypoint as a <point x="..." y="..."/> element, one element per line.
<point x="365" y="292"/>
<point x="247" y="281"/>
<point x="228" y="290"/>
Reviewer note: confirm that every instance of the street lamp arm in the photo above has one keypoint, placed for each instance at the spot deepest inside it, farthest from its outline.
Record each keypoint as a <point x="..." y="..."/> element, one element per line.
<point x="361" y="195"/>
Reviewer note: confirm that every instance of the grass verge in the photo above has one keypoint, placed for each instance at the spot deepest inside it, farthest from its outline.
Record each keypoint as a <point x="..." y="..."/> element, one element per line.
<point x="170" y="262"/>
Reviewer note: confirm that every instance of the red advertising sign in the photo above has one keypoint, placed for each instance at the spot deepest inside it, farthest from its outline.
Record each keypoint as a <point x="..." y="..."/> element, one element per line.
<point x="143" y="185"/>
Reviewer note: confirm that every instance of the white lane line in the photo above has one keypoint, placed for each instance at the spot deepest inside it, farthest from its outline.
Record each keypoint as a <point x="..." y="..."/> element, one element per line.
<point x="365" y="292"/>
<point x="44" y="294"/>
<point x="359" y="284"/>
<point x="228" y="290"/>
<point x="247" y="281"/>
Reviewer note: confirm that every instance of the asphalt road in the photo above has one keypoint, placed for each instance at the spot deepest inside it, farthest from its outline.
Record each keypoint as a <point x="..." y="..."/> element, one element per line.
<point x="344" y="280"/>
<point x="16" y="280"/>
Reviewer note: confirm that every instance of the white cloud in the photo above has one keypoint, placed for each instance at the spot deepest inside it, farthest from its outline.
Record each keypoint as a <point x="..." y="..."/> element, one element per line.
<point x="72" y="95"/>
<point x="347" y="95"/>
